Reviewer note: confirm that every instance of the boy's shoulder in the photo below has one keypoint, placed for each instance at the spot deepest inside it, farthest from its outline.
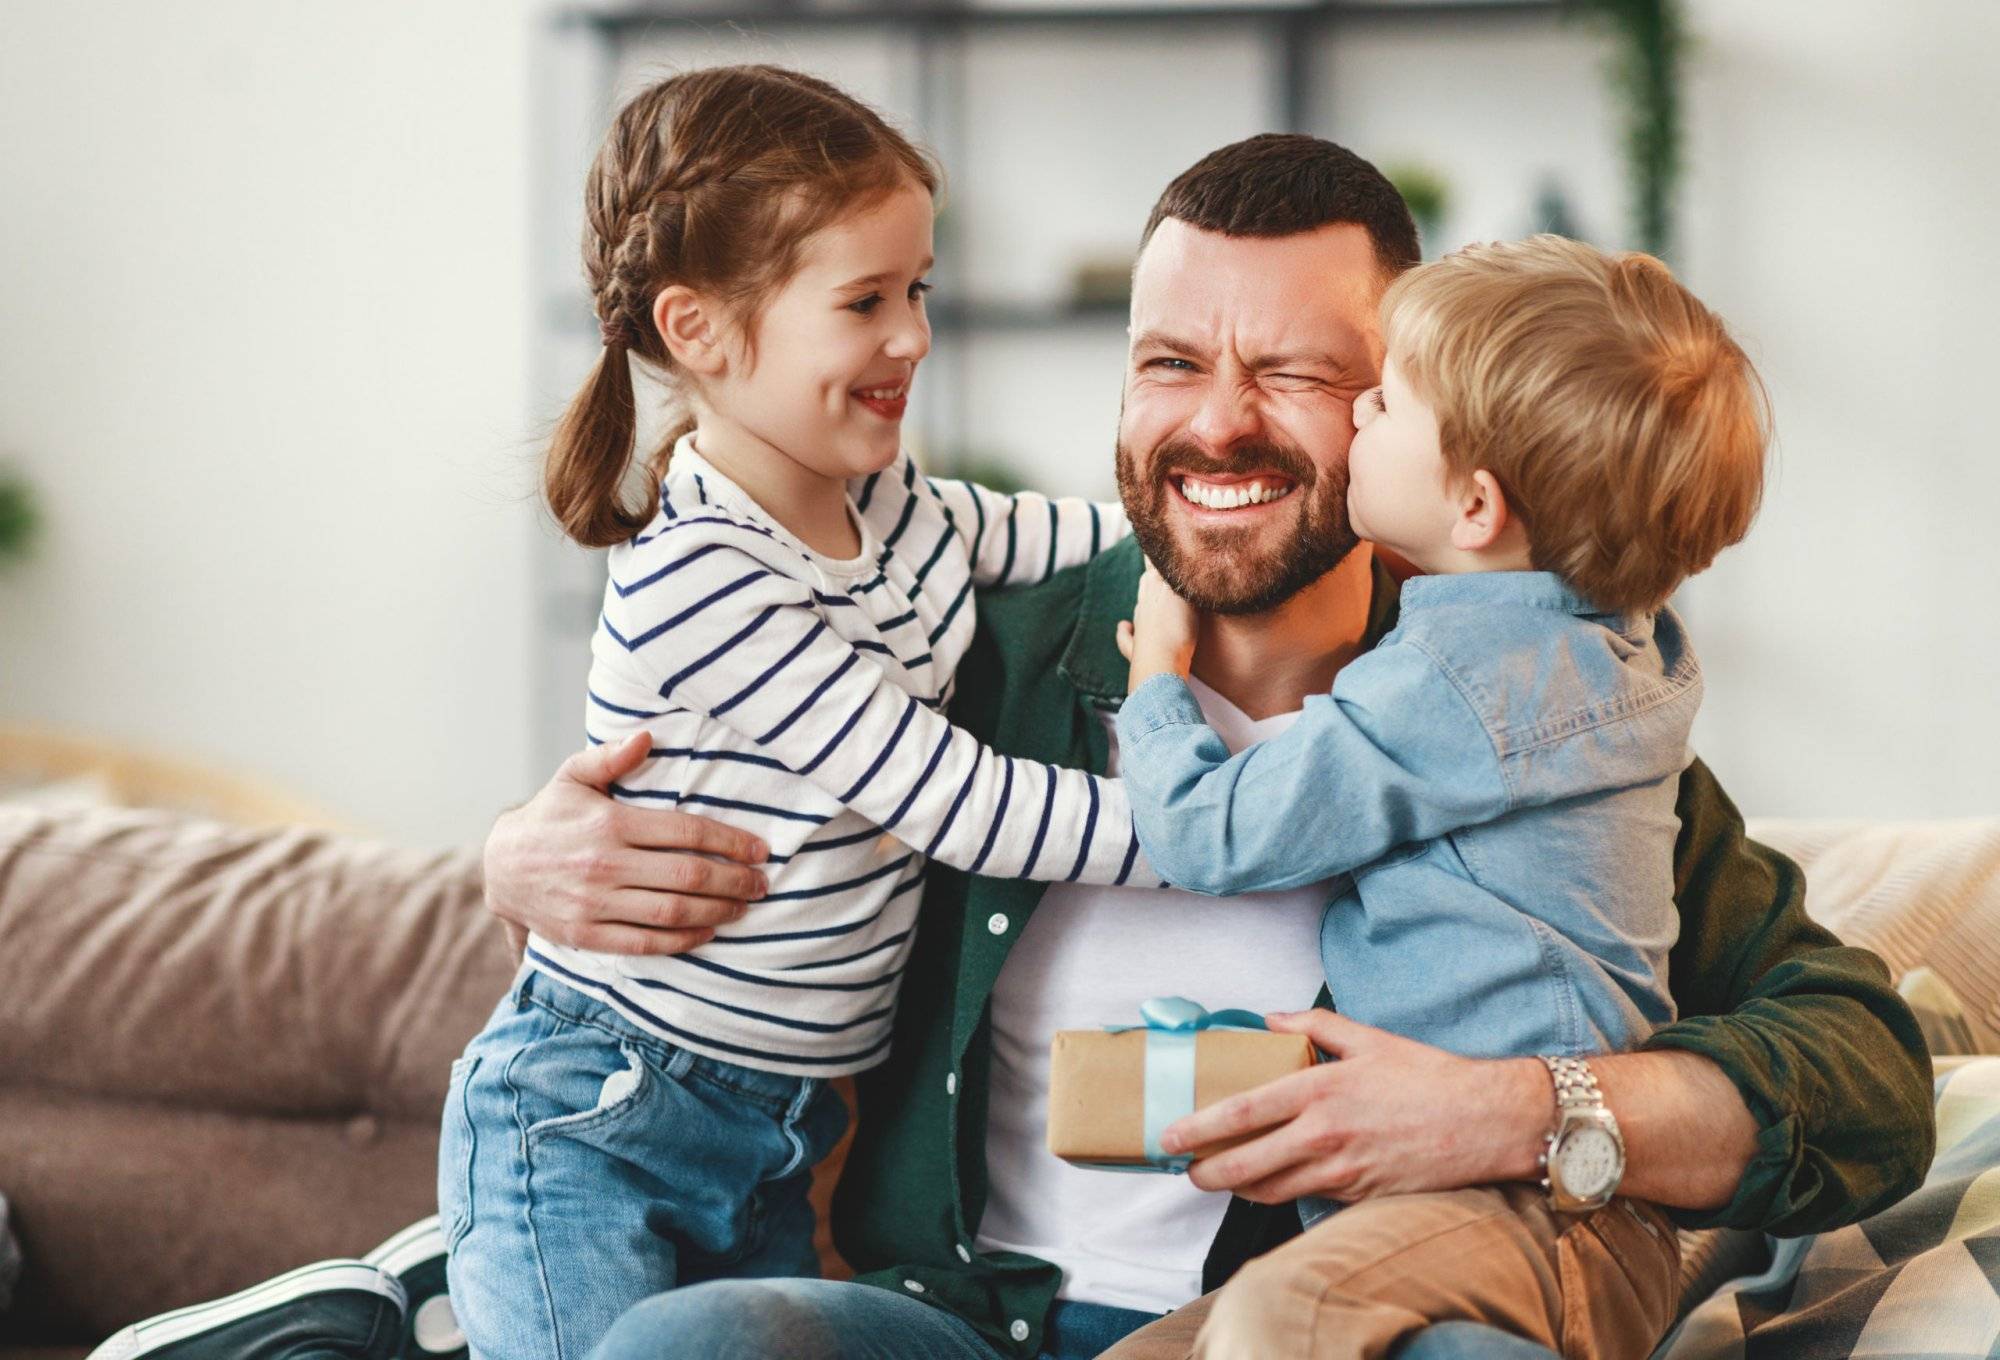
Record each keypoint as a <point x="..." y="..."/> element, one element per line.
<point x="1536" y="666"/>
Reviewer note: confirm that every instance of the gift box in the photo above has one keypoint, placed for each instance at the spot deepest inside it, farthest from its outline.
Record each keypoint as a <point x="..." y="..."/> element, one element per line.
<point x="1112" y="1091"/>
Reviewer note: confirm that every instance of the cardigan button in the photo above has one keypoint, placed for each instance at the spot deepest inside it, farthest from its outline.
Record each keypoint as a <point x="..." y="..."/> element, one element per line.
<point x="913" y="1286"/>
<point x="966" y="1256"/>
<point x="1019" y="1330"/>
<point x="997" y="923"/>
<point x="951" y="1083"/>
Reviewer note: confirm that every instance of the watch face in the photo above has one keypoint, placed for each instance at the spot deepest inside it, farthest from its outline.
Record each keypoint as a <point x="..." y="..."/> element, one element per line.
<point x="1589" y="1163"/>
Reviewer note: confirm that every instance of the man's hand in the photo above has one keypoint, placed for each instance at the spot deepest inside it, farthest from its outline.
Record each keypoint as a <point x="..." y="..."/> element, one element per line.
<point x="1160" y="637"/>
<point x="1390" y="1116"/>
<point x="584" y="871"/>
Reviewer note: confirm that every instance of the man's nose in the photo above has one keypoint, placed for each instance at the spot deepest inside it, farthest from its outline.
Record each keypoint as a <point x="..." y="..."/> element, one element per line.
<point x="1227" y="416"/>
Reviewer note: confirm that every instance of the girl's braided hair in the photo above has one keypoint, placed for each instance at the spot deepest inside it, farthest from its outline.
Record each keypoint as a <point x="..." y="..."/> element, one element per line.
<point x="712" y="179"/>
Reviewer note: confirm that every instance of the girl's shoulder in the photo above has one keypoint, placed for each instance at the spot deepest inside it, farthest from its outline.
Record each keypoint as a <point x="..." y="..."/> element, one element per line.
<point x="701" y="539"/>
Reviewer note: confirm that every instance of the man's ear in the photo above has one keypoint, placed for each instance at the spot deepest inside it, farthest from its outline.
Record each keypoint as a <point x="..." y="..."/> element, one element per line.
<point x="690" y="329"/>
<point x="1482" y="513"/>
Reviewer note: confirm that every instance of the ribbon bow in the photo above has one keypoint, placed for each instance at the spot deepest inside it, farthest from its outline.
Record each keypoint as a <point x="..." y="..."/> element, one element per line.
<point x="1172" y="1022"/>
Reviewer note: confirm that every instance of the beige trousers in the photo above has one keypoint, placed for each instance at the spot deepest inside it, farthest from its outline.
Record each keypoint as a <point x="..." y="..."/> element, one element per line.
<point x="1600" y="1286"/>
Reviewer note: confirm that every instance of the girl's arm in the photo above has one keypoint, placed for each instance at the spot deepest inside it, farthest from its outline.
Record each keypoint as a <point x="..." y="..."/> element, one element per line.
<point x="1019" y="539"/>
<point x="722" y="632"/>
<point x="1393" y="755"/>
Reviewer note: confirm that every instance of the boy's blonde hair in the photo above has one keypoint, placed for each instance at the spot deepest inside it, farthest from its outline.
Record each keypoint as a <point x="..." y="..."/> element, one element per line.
<point x="1625" y="426"/>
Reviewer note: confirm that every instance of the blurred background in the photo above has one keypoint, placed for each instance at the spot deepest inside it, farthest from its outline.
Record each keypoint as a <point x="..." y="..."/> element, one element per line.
<point x="289" y="296"/>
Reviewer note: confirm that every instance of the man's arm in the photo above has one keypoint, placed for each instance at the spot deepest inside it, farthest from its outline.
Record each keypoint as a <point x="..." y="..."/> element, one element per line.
<point x="1792" y="1096"/>
<point x="578" y="868"/>
<point x="1822" y="1052"/>
<point x="1395" y="1116"/>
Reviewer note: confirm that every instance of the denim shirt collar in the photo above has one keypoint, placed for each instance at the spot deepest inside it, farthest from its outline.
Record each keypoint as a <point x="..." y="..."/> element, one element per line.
<point x="1092" y="663"/>
<point x="1527" y="589"/>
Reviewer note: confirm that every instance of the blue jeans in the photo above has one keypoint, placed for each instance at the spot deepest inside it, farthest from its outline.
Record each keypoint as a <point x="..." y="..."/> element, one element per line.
<point x="586" y="1165"/>
<point x="829" y="1320"/>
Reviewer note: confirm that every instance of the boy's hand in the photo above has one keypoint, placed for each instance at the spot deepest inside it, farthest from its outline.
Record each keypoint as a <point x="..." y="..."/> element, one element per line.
<point x="1161" y="634"/>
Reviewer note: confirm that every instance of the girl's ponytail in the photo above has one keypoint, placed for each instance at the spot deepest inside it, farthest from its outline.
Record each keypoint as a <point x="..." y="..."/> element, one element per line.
<point x="592" y="450"/>
<point x="712" y="179"/>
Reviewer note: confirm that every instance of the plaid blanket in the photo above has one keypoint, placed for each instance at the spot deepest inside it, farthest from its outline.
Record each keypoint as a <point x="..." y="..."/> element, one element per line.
<point x="1920" y="1279"/>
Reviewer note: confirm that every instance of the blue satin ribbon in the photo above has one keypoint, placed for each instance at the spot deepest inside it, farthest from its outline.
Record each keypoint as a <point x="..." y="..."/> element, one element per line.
<point x="1172" y="1022"/>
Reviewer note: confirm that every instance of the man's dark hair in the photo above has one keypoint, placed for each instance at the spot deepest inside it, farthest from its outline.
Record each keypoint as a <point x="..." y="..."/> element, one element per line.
<point x="1283" y="183"/>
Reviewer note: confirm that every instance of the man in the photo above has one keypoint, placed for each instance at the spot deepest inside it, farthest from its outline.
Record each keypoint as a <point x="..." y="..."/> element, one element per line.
<point x="1792" y="1094"/>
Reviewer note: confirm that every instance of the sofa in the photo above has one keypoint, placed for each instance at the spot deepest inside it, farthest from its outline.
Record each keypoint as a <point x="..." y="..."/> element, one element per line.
<point x="223" y="1050"/>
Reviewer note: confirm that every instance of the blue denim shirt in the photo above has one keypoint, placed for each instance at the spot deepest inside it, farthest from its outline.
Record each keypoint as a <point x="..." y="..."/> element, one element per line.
<point x="1491" y="790"/>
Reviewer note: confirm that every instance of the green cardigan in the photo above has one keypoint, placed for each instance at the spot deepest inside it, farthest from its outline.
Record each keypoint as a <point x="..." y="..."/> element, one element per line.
<point x="1828" y="1059"/>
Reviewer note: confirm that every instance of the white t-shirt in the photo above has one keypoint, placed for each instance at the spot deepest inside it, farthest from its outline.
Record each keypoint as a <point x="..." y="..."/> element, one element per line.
<point x="1087" y="958"/>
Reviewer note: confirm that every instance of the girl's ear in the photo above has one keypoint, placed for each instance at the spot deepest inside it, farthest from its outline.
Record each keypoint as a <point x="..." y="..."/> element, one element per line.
<point x="1482" y="513"/>
<point x="690" y="330"/>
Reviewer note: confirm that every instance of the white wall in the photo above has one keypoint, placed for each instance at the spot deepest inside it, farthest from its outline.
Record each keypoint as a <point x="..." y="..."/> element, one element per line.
<point x="270" y="278"/>
<point x="264" y="331"/>
<point x="1844" y="186"/>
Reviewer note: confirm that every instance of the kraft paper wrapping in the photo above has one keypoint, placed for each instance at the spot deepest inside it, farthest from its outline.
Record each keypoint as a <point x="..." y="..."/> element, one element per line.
<point x="1097" y="1086"/>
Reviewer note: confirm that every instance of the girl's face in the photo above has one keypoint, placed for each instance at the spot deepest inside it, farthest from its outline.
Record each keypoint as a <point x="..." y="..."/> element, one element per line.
<point x="1398" y="491"/>
<point x="826" y="374"/>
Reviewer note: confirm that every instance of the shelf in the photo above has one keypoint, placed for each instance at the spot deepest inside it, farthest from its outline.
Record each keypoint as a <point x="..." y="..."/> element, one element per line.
<point x="628" y="22"/>
<point x="571" y="318"/>
<point x="1004" y="316"/>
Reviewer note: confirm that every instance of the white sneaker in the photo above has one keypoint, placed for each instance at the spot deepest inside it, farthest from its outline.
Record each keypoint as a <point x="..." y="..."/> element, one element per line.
<point x="416" y="1256"/>
<point x="327" y="1309"/>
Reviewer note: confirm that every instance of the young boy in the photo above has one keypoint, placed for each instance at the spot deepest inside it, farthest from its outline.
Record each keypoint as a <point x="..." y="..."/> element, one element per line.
<point x="1561" y="437"/>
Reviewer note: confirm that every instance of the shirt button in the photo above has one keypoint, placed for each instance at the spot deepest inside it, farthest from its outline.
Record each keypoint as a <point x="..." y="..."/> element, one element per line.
<point x="997" y="923"/>
<point x="951" y="1083"/>
<point x="966" y="1256"/>
<point x="1019" y="1330"/>
<point x="913" y="1286"/>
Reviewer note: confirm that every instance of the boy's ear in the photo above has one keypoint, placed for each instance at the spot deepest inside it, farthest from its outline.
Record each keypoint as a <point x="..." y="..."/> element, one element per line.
<point x="690" y="330"/>
<point x="1482" y="513"/>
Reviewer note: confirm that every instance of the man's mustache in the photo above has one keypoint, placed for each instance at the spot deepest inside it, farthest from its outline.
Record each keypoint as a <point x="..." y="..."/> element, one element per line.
<point x="1184" y="455"/>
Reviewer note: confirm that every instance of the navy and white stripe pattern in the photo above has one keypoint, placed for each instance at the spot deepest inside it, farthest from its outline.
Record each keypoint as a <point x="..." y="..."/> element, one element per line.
<point x="800" y="698"/>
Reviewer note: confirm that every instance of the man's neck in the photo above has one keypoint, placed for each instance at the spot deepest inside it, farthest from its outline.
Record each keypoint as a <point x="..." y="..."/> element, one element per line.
<point x="1269" y="663"/>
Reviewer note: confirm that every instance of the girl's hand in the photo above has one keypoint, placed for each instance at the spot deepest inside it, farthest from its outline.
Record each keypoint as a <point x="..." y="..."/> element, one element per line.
<point x="1161" y="634"/>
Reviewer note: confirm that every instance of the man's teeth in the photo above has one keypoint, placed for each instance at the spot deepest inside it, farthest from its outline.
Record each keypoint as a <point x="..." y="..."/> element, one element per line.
<point x="881" y="393"/>
<point x="1213" y="497"/>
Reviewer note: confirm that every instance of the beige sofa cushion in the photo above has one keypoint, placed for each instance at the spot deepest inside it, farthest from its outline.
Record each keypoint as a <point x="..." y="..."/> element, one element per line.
<point x="223" y="1055"/>
<point x="1917" y="893"/>
<point x="289" y="972"/>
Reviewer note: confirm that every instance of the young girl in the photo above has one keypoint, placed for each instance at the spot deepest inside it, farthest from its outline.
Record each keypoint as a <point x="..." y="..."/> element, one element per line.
<point x="784" y="618"/>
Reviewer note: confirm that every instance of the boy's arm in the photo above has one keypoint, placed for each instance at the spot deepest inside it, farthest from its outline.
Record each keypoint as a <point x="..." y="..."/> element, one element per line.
<point x="1394" y="755"/>
<point x="1020" y="539"/>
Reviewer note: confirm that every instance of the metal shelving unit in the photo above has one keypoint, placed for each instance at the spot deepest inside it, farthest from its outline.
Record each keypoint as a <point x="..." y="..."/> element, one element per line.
<point x="938" y="34"/>
<point x="581" y="56"/>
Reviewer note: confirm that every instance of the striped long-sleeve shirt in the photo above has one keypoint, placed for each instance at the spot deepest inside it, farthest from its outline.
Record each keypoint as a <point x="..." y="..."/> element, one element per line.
<point x="801" y="697"/>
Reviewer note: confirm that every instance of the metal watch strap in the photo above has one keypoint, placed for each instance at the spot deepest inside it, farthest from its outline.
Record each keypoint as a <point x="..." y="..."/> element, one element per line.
<point x="1576" y="1084"/>
<point x="1576" y="1089"/>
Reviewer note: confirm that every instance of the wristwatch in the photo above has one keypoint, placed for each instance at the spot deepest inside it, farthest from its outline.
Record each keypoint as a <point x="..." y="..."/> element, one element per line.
<point x="1585" y="1156"/>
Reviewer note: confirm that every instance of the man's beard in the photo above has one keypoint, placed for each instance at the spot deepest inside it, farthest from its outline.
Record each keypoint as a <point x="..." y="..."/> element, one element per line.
<point x="1226" y="573"/>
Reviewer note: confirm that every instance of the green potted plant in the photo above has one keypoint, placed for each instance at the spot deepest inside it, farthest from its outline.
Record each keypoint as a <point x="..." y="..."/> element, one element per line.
<point x="1428" y="195"/>
<point x="19" y="521"/>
